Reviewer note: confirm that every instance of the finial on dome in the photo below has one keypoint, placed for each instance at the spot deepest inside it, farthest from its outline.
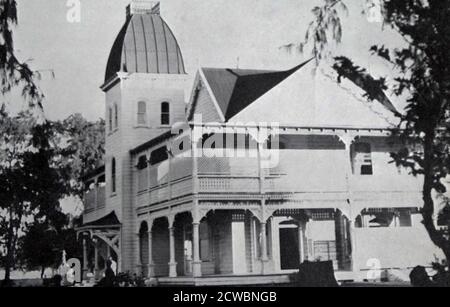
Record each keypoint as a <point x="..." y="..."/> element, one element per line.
<point x="143" y="7"/>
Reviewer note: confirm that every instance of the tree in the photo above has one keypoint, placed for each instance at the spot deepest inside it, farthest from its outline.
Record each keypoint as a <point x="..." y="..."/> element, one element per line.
<point x="34" y="176"/>
<point x="12" y="71"/>
<point x="38" y="248"/>
<point x="44" y="242"/>
<point x="87" y="142"/>
<point x="422" y="64"/>
<point x="40" y="163"/>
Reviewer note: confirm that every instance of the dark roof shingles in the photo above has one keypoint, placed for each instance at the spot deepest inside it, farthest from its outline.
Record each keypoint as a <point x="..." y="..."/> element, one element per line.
<point x="236" y="89"/>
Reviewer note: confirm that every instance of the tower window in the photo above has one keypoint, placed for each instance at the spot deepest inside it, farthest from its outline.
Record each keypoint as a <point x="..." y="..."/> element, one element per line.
<point x="142" y="113"/>
<point x="362" y="159"/>
<point x="113" y="175"/>
<point x="110" y="119"/>
<point x="165" y="113"/>
<point x="116" y="116"/>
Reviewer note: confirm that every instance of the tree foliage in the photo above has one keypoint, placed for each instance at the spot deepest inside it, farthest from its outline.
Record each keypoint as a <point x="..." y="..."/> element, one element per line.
<point x="87" y="142"/>
<point x="41" y="163"/>
<point x="423" y="76"/>
<point x="33" y="177"/>
<point x="43" y="244"/>
<point x="13" y="72"/>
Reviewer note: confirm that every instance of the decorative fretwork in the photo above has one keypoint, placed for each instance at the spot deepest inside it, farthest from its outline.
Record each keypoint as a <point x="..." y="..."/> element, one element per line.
<point x="321" y="215"/>
<point x="228" y="184"/>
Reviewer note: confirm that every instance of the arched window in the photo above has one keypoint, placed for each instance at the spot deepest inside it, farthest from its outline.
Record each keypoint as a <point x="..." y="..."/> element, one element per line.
<point x="142" y="113"/>
<point x="116" y="116"/>
<point x="110" y="119"/>
<point x="165" y="113"/>
<point x="113" y="175"/>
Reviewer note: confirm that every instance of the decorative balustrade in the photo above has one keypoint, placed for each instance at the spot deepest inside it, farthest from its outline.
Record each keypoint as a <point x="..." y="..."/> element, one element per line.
<point x="230" y="184"/>
<point x="296" y="172"/>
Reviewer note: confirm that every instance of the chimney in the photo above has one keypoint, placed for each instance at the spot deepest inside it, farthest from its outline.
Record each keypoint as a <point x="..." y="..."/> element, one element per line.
<point x="142" y="7"/>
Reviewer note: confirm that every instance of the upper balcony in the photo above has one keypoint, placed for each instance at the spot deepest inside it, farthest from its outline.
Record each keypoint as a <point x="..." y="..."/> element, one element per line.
<point x="320" y="172"/>
<point x="94" y="191"/>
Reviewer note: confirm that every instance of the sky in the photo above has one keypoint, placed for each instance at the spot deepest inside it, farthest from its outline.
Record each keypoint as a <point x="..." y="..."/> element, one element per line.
<point x="211" y="33"/>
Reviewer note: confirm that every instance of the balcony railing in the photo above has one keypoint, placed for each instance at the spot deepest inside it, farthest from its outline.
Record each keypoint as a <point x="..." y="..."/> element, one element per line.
<point x="296" y="172"/>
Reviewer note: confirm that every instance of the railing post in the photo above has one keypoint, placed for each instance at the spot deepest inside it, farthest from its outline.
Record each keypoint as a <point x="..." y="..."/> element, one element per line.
<point x="96" y="193"/>
<point x="169" y="175"/>
<point x="197" y="263"/>
<point x="194" y="154"/>
<point x="348" y="140"/>
<point x="85" y="256"/>
<point x="260" y="170"/>
<point x="96" y="268"/>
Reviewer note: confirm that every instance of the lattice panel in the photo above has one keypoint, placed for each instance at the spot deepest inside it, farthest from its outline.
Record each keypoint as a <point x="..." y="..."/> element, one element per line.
<point x="322" y="215"/>
<point x="229" y="185"/>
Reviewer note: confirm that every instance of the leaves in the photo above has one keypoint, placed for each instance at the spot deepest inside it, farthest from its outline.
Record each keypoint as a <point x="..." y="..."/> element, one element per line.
<point x="39" y="162"/>
<point x="325" y="28"/>
<point x="12" y="71"/>
<point x="422" y="65"/>
<point x="374" y="88"/>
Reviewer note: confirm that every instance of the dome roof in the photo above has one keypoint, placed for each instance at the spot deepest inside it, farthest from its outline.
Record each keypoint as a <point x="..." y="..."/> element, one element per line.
<point x="145" y="44"/>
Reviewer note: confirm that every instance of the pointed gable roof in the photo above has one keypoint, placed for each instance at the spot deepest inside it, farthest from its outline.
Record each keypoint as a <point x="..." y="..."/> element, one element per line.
<point x="235" y="89"/>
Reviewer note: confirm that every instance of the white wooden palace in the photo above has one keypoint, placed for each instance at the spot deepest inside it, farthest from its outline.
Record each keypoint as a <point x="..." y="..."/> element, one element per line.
<point x="257" y="172"/>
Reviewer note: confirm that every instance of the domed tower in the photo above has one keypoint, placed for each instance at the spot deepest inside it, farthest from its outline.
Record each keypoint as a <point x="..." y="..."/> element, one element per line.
<point x="144" y="86"/>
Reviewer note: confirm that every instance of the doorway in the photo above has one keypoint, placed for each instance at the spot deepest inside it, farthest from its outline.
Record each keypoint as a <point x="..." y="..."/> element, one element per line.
<point x="289" y="247"/>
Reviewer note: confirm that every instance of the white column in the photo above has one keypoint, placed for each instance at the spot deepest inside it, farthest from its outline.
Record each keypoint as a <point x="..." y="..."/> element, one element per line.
<point x="348" y="139"/>
<point x="264" y="257"/>
<point x="197" y="264"/>
<point x="301" y="243"/>
<point x="172" y="263"/>
<point x="85" y="257"/>
<point x="138" y="255"/>
<point x="195" y="154"/>
<point x="151" y="265"/>
<point x="96" y="257"/>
